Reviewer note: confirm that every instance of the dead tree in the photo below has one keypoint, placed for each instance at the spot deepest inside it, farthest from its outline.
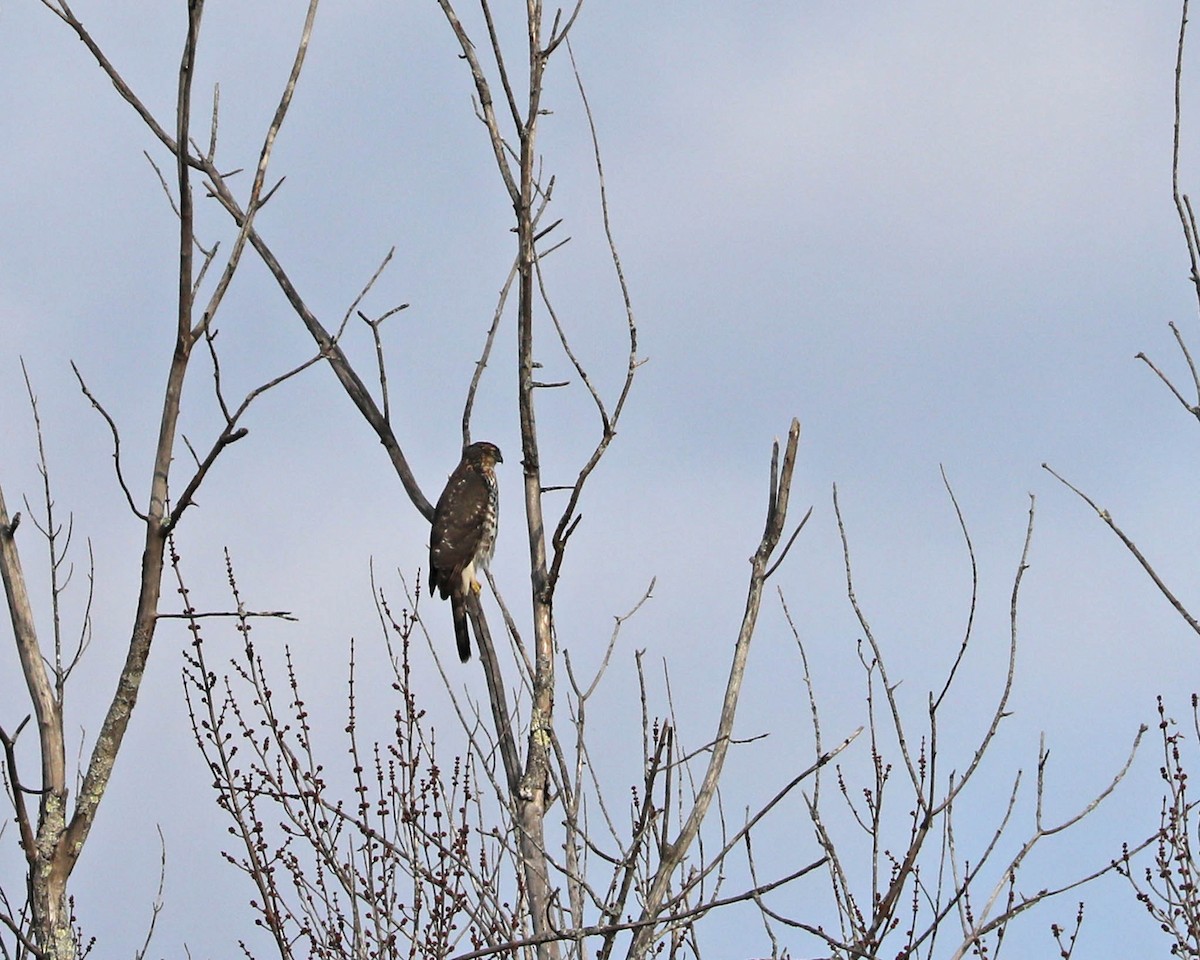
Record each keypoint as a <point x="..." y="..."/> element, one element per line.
<point x="53" y="828"/>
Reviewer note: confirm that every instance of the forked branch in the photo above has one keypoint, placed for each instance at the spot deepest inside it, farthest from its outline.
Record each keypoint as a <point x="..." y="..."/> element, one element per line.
<point x="674" y="852"/>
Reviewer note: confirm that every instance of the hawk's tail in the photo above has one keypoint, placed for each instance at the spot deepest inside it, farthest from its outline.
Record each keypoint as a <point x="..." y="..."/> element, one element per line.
<point x="461" y="631"/>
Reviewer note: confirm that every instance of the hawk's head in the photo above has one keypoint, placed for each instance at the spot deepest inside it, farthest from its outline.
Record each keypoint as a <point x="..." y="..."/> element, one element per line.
<point x="485" y="454"/>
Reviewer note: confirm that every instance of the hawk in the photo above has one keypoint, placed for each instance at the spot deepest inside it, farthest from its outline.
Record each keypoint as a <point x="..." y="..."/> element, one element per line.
<point x="464" y="533"/>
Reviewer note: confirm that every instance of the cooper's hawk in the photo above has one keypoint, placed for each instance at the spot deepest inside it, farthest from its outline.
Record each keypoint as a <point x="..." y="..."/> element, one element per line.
<point x="464" y="533"/>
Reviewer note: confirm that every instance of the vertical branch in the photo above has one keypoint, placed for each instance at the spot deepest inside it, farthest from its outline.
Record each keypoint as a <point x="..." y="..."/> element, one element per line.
<point x="46" y="708"/>
<point x="116" y="721"/>
<point x="543" y="644"/>
<point x="60" y="841"/>
<point x="673" y="853"/>
<point x="51" y="532"/>
<point x="1182" y="205"/>
<point x="183" y="117"/>
<point x="531" y="794"/>
<point x="1187" y="221"/>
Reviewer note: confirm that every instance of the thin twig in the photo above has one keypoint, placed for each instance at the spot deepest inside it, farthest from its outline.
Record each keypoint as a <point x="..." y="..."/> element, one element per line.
<point x="962" y="649"/>
<point x="377" y="337"/>
<point x="1132" y="548"/>
<point x="482" y="362"/>
<point x="239" y="614"/>
<point x="116" y="436"/>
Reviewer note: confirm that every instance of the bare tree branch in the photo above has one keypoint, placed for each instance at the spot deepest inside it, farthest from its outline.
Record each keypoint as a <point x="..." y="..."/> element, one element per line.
<point x="482" y="362"/>
<point x="1132" y="548"/>
<point x="672" y="855"/>
<point x="112" y="426"/>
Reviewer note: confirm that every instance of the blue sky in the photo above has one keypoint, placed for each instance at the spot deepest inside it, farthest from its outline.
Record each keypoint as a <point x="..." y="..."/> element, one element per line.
<point x="935" y="232"/>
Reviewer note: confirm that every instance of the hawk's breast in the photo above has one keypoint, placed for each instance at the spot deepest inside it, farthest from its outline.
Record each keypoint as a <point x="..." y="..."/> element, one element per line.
<point x="491" y="518"/>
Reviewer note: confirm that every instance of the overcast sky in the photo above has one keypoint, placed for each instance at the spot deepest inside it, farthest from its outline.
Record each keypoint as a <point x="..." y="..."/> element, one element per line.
<point x="936" y="232"/>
